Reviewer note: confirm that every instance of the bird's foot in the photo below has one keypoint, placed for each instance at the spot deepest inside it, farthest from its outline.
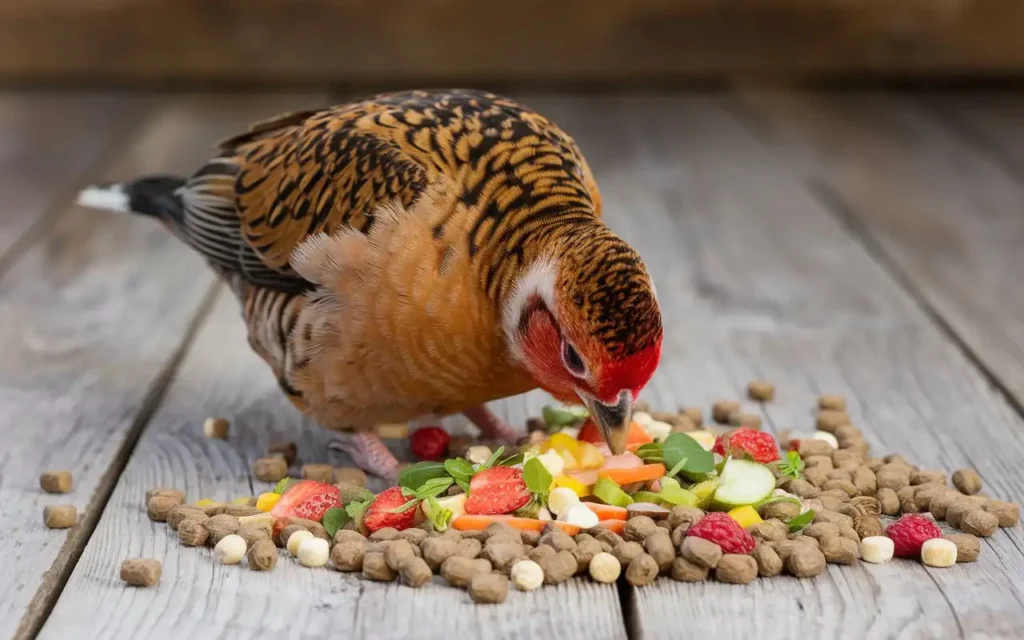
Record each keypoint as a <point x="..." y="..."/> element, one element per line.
<point x="491" y="426"/>
<point x="368" y="453"/>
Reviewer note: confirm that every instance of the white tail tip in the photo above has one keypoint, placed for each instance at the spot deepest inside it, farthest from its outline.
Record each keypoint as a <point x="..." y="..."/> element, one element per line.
<point x="112" y="198"/>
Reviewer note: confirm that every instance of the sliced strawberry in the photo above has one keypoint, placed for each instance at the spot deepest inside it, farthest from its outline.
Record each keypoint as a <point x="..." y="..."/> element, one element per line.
<point x="379" y="516"/>
<point x="307" y="499"/>
<point x="496" y="491"/>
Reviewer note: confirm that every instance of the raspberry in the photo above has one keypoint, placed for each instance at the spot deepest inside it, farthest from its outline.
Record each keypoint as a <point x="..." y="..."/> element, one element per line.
<point x="429" y="443"/>
<point x="721" y="529"/>
<point x="910" y="532"/>
<point x="745" y="442"/>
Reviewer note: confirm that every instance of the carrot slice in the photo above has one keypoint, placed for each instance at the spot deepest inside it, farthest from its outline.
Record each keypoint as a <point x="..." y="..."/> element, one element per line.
<point x="479" y="523"/>
<point x="629" y="476"/>
<point x="617" y="526"/>
<point x="607" y="511"/>
<point x="634" y="438"/>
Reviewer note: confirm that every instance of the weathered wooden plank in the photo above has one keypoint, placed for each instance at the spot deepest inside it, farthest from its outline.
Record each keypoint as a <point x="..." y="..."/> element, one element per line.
<point x="91" y="318"/>
<point x="994" y="120"/>
<point x="945" y="212"/>
<point x="758" y="280"/>
<point x="48" y="141"/>
<point x="222" y="376"/>
<point x="461" y="41"/>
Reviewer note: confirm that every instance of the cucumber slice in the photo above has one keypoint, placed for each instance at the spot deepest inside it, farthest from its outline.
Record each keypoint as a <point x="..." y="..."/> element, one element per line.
<point x="646" y="496"/>
<point x="672" y="493"/>
<point x="704" y="490"/>
<point x="563" y="416"/>
<point x="610" y="493"/>
<point x="742" y="482"/>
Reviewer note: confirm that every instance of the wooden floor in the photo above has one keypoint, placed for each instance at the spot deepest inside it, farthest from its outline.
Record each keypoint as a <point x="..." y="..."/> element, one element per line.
<point x="868" y="244"/>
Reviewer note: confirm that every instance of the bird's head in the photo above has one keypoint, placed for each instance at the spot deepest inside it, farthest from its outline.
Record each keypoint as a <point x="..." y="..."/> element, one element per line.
<point x="584" y="322"/>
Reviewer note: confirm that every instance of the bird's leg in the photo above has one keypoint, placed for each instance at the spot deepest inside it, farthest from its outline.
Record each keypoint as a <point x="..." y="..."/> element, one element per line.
<point x="368" y="453"/>
<point x="490" y="425"/>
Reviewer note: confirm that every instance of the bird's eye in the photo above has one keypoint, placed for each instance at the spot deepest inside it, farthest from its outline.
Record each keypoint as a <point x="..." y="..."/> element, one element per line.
<point x="573" y="361"/>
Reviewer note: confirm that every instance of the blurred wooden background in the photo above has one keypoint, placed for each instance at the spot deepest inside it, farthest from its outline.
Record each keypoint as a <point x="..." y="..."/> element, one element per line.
<point x="450" y="41"/>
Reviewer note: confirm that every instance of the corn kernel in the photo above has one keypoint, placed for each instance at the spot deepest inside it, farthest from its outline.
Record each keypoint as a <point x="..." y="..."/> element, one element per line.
<point x="205" y="502"/>
<point x="746" y="516"/>
<point x="573" y="484"/>
<point x="562" y="442"/>
<point x="590" y="456"/>
<point x="266" y="501"/>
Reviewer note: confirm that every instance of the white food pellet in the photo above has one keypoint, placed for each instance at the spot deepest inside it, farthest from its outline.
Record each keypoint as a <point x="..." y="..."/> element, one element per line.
<point x="313" y="552"/>
<point x="527" y="575"/>
<point x="561" y="498"/>
<point x="296" y="539"/>
<point x="478" y="454"/>
<point x="657" y="430"/>
<point x="580" y="515"/>
<point x="572" y="432"/>
<point x="876" y="549"/>
<point x="827" y="437"/>
<point x="230" y="549"/>
<point x="604" y="567"/>
<point x="553" y="462"/>
<point x="938" y="552"/>
<point x="642" y="418"/>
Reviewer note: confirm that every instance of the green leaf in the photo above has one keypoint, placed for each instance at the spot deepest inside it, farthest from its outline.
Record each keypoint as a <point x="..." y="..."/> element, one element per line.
<point x="801" y="521"/>
<point x="529" y="510"/>
<point x="538" y="479"/>
<point x="411" y="504"/>
<point x="650" y="452"/>
<point x="459" y="468"/>
<point x="413" y="477"/>
<point x="282" y="485"/>
<point x="439" y="515"/>
<point x="792" y="466"/>
<point x="512" y="460"/>
<point x="335" y="519"/>
<point x="674" y="471"/>
<point x="356" y="510"/>
<point x="464" y="485"/>
<point x="490" y="461"/>
<point x="680" y="448"/>
<point x="563" y="416"/>
<point x="433" y="488"/>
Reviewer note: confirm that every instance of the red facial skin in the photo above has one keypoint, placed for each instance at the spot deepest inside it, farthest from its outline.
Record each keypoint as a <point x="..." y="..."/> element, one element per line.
<point x="541" y="342"/>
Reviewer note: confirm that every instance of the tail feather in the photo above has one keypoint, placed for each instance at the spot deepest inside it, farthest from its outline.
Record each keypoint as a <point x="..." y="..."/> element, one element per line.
<point x="156" y="196"/>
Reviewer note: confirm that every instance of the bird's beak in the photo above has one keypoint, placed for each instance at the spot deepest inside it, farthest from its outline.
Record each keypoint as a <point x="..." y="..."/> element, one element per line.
<point x="612" y="419"/>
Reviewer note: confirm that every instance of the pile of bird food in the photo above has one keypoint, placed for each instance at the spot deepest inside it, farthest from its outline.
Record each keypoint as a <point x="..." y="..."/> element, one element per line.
<point x="684" y="502"/>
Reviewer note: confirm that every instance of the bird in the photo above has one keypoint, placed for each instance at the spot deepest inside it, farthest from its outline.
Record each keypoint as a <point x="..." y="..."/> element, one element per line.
<point x="416" y="254"/>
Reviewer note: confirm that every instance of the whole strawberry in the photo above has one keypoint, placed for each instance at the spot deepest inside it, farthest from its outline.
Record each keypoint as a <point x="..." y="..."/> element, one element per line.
<point x="747" y="443"/>
<point x="496" y="491"/>
<point x="381" y="512"/>
<point x="910" y="532"/>
<point x="429" y="443"/>
<point x="721" y="529"/>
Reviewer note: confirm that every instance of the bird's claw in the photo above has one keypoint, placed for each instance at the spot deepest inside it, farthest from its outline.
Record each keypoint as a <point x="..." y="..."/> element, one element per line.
<point x="367" y="452"/>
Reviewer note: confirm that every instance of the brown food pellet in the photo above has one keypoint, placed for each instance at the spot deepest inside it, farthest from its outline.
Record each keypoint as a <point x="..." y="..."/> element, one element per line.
<point x="906" y="497"/>
<point x="801" y="488"/>
<point x="685" y="571"/>
<point x="701" y="552"/>
<point x="159" y="507"/>
<point x="558" y="567"/>
<point x="642" y="571"/>
<point x="497" y="528"/>
<point x="838" y="519"/>
<point x="866" y="506"/>
<point x="386" y="533"/>
<point x="722" y="409"/>
<point x="586" y="550"/>
<point x="845" y="486"/>
<point x="839" y="495"/>
<point x="805" y="562"/>
<point x="979" y="522"/>
<point x="839" y="550"/>
<point x="805" y="540"/>
<point x="214" y="509"/>
<point x="240" y="510"/>
<point x="839" y="474"/>
<point x="967" y="481"/>
<point x="62" y="516"/>
<point x="770" y="530"/>
<point x="833" y="401"/>
<point x="270" y="469"/>
<point x="864" y="480"/>
<point x="221" y="525"/>
<point x="888" y="500"/>
<point x="1007" y="512"/>
<point x="968" y="547"/>
<point x="849" y="533"/>
<point x="603" y="534"/>
<point x="375" y="567"/>
<point x="769" y="564"/>
<point x="638" y="528"/>
<point x="56" y="481"/>
<point x="822" y="461"/>
<point x="141" y="572"/>
<point x="413" y="535"/>
<point x="736" y="568"/>
<point x="350" y="476"/>
<point x="785" y="547"/>
<point x="503" y="554"/>
<point x="288" y="451"/>
<point x="761" y="390"/>
<point x="459" y="571"/>
<point x="488" y="588"/>
<point x="941" y="502"/>
<point x="318" y="472"/>
<point x="829" y="502"/>
<point x="673" y="419"/>
<point x="685" y="425"/>
<point x="438" y="549"/>
<point x="559" y="540"/>
<point x="414" y="572"/>
<point x="659" y="547"/>
<point x="780" y="510"/>
<point x="695" y="414"/>
<point x="821" y="530"/>
<point x="348" y="555"/>
<point x="468" y="548"/>
<point x="626" y="551"/>
<point x="287" y="533"/>
<point x="927" y="476"/>
<point x="889" y="478"/>
<point x="216" y="428"/>
<point x="183" y="512"/>
<point x="748" y="420"/>
<point x="193" y="533"/>
<point x="924" y="494"/>
<point x="262" y="555"/>
<point x="541" y="551"/>
<point x="868" y="526"/>
<point x="817" y="476"/>
<point x="956" y="511"/>
<point x="167" y="492"/>
<point x="396" y="553"/>
<point x="814" y="447"/>
<point x="531" y="538"/>
<point x="348" y="535"/>
<point x="831" y="419"/>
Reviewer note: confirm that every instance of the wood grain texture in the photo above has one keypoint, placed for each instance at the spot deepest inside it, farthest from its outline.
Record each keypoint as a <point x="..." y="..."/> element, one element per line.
<point x="90" y="318"/>
<point x="938" y="204"/>
<point x="460" y="41"/>
<point x="993" y="120"/>
<point x="48" y="142"/>
<point x="758" y="280"/>
<point x="198" y="597"/>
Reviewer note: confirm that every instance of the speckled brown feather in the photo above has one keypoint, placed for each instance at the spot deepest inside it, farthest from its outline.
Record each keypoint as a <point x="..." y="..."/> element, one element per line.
<point x="373" y="245"/>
